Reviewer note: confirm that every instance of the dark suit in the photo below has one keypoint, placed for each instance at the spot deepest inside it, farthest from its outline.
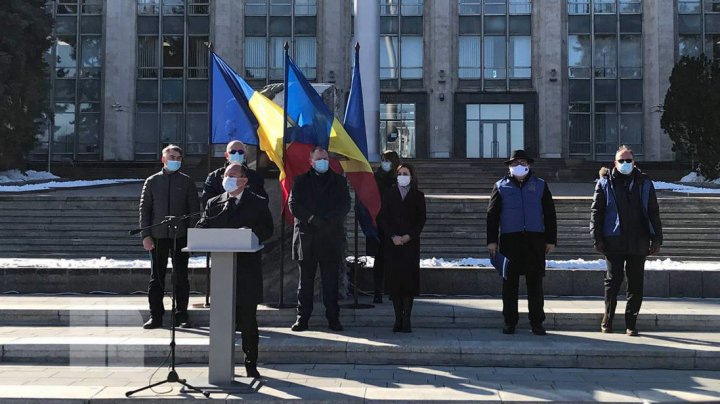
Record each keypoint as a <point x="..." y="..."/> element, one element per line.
<point x="251" y="211"/>
<point x="319" y="203"/>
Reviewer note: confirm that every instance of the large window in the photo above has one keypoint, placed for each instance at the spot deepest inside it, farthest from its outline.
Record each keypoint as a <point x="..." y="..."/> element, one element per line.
<point x="699" y="28"/>
<point x="268" y="25"/>
<point x="172" y="76"/>
<point x="604" y="59"/>
<point x="401" y="43"/>
<point x="76" y="62"/>
<point x="494" y="44"/>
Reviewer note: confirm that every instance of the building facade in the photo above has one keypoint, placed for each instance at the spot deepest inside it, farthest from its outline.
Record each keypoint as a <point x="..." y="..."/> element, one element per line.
<point x="458" y="78"/>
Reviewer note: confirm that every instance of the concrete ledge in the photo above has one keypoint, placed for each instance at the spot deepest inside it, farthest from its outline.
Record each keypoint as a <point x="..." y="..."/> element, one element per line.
<point x="433" y="281"/>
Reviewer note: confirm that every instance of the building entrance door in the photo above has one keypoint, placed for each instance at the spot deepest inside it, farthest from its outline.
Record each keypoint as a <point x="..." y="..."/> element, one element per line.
<point x="493" y="130"/>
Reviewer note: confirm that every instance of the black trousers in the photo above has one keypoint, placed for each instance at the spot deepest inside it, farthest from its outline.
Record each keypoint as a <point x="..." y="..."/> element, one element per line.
<point x="156" y="289"/>
<point x="634" y="267"/>
<point x="246" y="323"/>
<point x="535" y="296"/>
<point x="306" y="288"/>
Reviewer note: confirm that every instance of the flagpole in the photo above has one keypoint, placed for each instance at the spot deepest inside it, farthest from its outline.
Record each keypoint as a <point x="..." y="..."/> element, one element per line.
<point x="357" y="265"/>
<point x="281" y="301"/>
<point x="209" y="157"/>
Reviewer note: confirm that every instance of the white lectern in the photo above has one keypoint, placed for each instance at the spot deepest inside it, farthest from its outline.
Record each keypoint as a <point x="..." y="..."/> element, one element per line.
<point x="222" y="244"/>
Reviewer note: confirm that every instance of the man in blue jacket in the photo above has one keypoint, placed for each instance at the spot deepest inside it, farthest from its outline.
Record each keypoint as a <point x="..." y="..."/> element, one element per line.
<point x="522" y="212"/>
<point x="625" y="227"/>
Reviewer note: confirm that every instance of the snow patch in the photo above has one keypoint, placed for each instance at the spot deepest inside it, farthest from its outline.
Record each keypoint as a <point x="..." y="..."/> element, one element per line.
<point x="660" y="185"/>
<point x="693" y="177"/>
<point x="65" y="184"/>
<point x="102" y="262"/>
<point x="574" y="264"/>
<point x="30" y="175"/>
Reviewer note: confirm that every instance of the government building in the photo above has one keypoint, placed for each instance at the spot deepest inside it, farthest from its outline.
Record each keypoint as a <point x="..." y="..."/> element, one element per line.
<point x="569" y="79"/>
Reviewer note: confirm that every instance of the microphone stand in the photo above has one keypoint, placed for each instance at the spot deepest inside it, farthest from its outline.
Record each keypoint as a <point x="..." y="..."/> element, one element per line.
<point x="172" y="222"/>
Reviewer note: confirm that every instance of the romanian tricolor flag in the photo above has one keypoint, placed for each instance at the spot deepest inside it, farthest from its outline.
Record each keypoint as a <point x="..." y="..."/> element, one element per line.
<point x="316" y="125"/>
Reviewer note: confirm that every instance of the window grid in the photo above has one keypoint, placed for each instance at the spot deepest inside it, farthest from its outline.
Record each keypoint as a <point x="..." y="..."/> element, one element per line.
<point x="586" y="118"/>
<point x="705" y="39"/>
<point x="477" y="68"/>
<point x="263" y="54"/>
<point x="398" y="48"/>
<point x="75" y="60"/>
<point x="172" y="79"/>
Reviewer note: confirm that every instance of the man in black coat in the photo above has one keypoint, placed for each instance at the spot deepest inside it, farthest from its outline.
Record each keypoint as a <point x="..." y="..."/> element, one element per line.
<point x="319" y="200"/>
<point x="167" y="193"/>
<point x="522" y="212"/>
<point x="239" y="207"/>
<point x="625" y="226"/>
<point x="234" y="153"/>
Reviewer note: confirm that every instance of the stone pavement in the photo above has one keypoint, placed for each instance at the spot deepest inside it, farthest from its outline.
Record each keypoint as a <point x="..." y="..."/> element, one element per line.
<point x="367" y="383"/>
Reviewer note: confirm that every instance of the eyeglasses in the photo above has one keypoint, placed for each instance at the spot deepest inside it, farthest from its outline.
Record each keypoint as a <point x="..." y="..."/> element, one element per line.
<point x="625" y="161"/>
<point x="237" y="152"/>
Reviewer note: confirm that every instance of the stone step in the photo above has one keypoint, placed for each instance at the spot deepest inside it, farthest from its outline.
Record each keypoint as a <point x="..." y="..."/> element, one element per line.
<point x="132" y="346"/>
<point x="562" y="313"/>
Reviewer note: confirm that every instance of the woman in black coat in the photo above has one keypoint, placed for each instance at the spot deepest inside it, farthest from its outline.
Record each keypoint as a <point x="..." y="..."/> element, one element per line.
<point x="402" y="218"/>
<point x="385" y="179"/>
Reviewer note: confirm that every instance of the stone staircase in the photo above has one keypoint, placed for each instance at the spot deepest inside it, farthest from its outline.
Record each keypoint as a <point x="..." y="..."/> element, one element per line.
<point x="456" y="228"/>
<point x="105" y="331"/>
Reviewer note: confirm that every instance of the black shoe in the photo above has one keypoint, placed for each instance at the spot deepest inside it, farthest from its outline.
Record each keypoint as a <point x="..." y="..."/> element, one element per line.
<point x="251" y="370"/>
<point x="606" y="325"/>
<point x="632" y="332"/>
<point x="182" y="322"/>
<point x="377" y="298"/>
<point x="539" y="330"/>
<point x="299" y="326"/>
<point x="509" y="329"/>
<point x="335" y="325"/>
<point x="153" y="323"/>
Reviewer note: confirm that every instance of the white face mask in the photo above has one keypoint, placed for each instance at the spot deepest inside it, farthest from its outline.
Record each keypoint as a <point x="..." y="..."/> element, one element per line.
<point x="519" y="171"/>
<point x="230" y="184"/>
<point x="386" y="166"/>
<point x="404" y="180"/>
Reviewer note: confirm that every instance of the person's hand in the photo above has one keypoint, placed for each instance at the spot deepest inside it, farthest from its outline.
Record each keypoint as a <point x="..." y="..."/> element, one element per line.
<point x="600" y="246"/>
<point x="148" y="243"/>
<point x="549" y="248"/>
<point x="397" y="240"/>
<point x="492" y="249"/>
<point x="654" y="248"/>
<point x="317" y="221"/>
<point x="405" y="239"/>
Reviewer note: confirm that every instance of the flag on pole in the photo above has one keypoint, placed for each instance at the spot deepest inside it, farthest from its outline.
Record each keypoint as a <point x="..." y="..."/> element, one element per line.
<point x="230" y="115"/>
<point x="354" y="123"/>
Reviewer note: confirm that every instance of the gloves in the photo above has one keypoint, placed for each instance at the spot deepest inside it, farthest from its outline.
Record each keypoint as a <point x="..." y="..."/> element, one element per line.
<point x="600" y="246"/>
<point x="654" y="248"/>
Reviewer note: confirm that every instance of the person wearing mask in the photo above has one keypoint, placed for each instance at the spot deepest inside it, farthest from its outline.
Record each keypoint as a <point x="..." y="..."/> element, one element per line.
<point x="385" y="179"/>
<point x="319" y="201"/>
<point x="402" y="221"/>
<point x="234" y="153"/>
<point x="239" y="207"/>
<point x="522" y="225"/>
<point x="625" y="227"/>
<point x="167" y="193"/>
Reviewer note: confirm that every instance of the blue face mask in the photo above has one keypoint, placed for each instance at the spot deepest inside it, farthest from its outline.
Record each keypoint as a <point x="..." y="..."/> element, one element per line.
<point x="625" y="168"/>
<point x="173" y="165"/>
<point x="321" y="166"/>
<point x="237" y="158"/>
<point x="386" y="166"/>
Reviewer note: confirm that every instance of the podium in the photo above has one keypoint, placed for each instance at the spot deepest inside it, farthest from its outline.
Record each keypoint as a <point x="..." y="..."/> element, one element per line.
<point x="222" y="244"/>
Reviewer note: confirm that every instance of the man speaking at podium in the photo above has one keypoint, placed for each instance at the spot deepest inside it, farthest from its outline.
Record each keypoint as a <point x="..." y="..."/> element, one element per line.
<point x="236" y="208"/>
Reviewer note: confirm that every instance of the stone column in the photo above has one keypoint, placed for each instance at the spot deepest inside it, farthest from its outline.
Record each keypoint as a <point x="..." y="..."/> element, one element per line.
<point x="120" y="37"/>
<point x="227" y="31"/>
<point x="440" y="43"/>
<point x="658" y="62"/>
<point x="548" y="61"/>
<point x="335" y="50"/>
<point x="367" y="32"/>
